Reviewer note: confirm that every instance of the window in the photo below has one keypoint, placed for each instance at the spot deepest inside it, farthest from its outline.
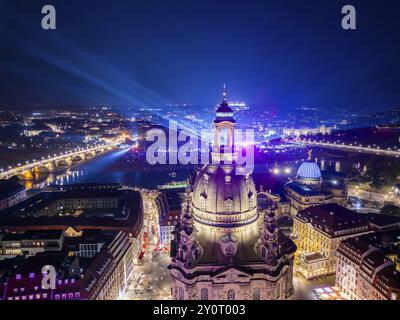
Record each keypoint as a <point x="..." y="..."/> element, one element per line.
<point x="228" y="205"/>
<point x="181" y="255"/>
<point x="256" y="294"/>
<point x="203" y="203"/>
<point x="204" y="294"/>
<point x="231" y="294"/>
<point x="230" y="250"/>
<point x="251" y="202"/>
<point x="263" y="252"/>
<point x="278" y="290"/>
<point x="181" y="293"/>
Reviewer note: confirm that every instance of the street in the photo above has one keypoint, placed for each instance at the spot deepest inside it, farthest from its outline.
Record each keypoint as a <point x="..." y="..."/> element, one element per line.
<point x="303" y="289"/>
<point x="151" y="278"/>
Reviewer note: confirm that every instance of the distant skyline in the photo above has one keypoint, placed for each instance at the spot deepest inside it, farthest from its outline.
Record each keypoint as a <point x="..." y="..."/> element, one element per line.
<point x="153" y="53"/>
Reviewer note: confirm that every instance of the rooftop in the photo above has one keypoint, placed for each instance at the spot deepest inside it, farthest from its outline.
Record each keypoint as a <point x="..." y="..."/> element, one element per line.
<point x="331" y="218"/>
<point x="33" y="235"/>
<point x="128" y="216"/>
<point x="9" y="187"/>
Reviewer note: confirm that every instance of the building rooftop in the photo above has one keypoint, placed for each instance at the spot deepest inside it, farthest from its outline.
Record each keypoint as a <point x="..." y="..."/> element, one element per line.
<point x="88" y="237"/>
<point x="128" y="216"/>
<point x="304" y="190"/>
<point x="332" y="218"/>
<point x="379" y="221"/>
<point x="313" y="257"/>
<point x="33" y="235"/>
<point x="371" y="253"/>
<point x="9" y="187"/>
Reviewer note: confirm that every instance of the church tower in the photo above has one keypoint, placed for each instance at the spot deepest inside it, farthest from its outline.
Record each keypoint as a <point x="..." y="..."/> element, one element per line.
<point x="219" y="251"/>
<point x="223" y="149"/>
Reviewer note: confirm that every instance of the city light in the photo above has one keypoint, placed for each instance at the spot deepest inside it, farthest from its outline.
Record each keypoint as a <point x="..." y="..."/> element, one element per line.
<point x="288" y="170"/>
<point x="291" y="195"/>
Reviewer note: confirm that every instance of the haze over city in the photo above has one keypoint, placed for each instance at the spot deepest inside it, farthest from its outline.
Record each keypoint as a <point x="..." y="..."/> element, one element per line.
<point x="155" y="53"/>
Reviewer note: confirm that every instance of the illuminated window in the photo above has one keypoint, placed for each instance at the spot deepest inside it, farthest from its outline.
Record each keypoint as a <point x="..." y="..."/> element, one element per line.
<point x="231" y="294"/>
<point x="228" y="205"/>
<point x="251" y="202"/>
<point x="203" y="203"/>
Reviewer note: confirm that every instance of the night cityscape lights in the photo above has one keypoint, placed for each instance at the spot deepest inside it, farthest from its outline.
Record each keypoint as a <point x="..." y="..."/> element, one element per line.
<point x="129" y="170"/>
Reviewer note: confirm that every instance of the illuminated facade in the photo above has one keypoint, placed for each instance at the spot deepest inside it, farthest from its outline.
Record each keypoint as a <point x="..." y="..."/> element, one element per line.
<point x="366" y="267"/>
<point x="318" y="231"/>
<point x="223" y="247"/>
<point x="307" y="189"/>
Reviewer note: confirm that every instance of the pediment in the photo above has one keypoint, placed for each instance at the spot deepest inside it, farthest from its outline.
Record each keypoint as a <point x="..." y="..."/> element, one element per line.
<point x="231" y="272"/>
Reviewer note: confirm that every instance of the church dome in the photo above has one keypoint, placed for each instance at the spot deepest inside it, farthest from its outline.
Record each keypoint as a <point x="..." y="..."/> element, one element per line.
<point x="224" y="108"/>
<point x="224" y="195"/>
<point x="224" y="111"/>
<point x="309" y="171"/>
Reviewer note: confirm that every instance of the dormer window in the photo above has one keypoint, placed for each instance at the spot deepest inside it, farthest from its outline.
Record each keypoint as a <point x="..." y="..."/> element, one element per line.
<point x="228" y="179"/>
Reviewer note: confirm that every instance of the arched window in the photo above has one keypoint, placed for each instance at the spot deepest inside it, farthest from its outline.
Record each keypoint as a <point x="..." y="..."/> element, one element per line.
<point x="203" y="203"/>
<point x="263" y="252"/>
<point x="231" y="294"/>
<point x="224" y="137"/>
<point x="180" y="293"/>
<point x="181" y="254"/>
<point x="251" y="202"/>
<point x="196" y="253"/>
<point x="204" y="294"/>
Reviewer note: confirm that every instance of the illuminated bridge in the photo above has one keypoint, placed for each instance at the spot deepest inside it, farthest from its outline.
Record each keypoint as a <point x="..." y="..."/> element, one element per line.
<point x="349" y="147"/>
<point x="49" y="164"/>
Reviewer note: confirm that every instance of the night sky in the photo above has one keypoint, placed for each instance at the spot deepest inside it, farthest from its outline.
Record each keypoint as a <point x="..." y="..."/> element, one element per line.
<point x="150" y="53"/>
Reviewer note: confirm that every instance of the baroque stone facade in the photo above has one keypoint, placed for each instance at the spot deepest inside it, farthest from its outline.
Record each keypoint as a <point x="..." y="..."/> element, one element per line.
<point x="224" y="248"/>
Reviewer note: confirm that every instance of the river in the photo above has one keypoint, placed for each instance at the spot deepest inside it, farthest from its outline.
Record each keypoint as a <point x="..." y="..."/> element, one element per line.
<point x="122" y="166"/>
